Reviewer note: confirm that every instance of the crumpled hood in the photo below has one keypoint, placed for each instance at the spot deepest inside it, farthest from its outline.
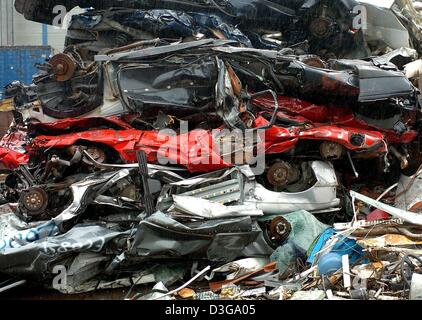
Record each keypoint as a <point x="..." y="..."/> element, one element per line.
<point x="43" y="10"/>
<point x="255" y="10"/>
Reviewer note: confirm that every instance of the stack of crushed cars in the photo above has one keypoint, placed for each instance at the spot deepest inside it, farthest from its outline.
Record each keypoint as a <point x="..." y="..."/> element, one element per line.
<point x="224" y="149"/>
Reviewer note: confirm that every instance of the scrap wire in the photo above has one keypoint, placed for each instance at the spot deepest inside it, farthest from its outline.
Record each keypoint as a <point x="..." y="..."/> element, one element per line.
<point x="12" y="286"/>
<point x="349" y="156"/>
<point x="412" y="181"/>
<point x="333" y="241"/>
<point x="140" y="277"/>
<point x="186" y="284"/>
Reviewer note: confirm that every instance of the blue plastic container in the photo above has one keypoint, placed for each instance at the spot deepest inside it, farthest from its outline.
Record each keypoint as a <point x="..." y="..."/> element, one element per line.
<point x="330" y="264"/>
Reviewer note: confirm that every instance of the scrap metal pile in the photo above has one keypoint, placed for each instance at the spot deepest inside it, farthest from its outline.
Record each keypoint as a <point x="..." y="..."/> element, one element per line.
<point x="259" y="149"/>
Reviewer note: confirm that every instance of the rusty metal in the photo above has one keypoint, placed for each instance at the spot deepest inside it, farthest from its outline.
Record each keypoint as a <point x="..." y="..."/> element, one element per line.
<point x="96" y="153"/>
<point x="34" y="200"/>
<point x="279" y="229"/>
<point x="313" y="61"/>
<point x="404" y="163"/>
<point x="235" y="81"/>
<point x="417" y="207"/>
<point x="217" y="286"/>
<point x="63" y="66"/>
<point x="410" y="233"/>
<point x="136" y="45"/>
<point x="331" y="150"/>
<point x="276" y="231"/>
<point x="282" y="174"/>
<point x="320" y="27"/>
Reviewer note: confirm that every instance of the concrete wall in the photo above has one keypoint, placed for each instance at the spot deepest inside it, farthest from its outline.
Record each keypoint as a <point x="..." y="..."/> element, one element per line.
<point x="6" y="22"/>
<point x="28" y="33"/>
<point x="15" y="30"/>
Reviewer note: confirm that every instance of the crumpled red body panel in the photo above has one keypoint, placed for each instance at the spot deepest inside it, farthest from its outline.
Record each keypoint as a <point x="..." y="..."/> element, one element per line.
<point x="78" y="124"/>
<point x="280" y="140"/>
<point x="193" y="150"/>
<point x="318" y="115"/>
<point x="198" y="151"/>
<point x="12" y="159"/>
<point x="12" y="149"/>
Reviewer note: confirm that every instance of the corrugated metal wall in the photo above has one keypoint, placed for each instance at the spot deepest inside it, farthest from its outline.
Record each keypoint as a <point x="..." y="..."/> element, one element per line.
<point x="7" y="14"/>
<point x="18" y="63"/>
